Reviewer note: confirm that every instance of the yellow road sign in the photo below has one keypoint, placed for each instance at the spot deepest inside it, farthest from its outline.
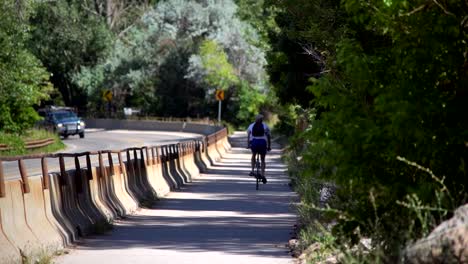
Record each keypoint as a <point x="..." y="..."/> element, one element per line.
<point x="107" y="95"/>
<point x="219" y="95"/>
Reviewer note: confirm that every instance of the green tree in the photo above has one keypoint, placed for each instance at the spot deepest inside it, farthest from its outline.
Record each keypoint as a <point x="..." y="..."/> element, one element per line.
<point x="65" y="37"/>
<point x="23" y="80"/>
<point x="153" y="65"/>
<point x="303" y="45"/>
<point x="120" y="15"/>
<point x="387" y="86"/>
<point x="219" y="73"/>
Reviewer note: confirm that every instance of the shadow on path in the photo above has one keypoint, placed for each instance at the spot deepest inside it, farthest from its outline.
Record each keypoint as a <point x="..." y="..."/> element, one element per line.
<point x="219" y="213"/>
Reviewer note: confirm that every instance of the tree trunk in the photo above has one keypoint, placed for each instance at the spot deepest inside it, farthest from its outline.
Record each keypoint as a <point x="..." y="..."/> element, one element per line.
<point x="109" y="12"/>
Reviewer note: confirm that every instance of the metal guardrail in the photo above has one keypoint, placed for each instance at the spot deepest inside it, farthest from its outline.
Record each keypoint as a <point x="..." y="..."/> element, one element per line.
<point x="31" y="144"/>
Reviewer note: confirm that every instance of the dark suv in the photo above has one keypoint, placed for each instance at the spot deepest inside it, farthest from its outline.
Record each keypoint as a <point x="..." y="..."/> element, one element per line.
<point x="62" y="120"/>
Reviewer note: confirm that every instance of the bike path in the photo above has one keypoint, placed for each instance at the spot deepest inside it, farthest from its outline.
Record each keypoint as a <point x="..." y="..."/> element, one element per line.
<point x="219" y="218"/>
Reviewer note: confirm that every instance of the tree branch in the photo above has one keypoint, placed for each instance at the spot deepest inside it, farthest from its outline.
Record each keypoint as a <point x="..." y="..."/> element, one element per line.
<point x="443" y="8"/>
<point x="85" y="7"/>
<point x="309" y="50"/>
<point x="122" y="33"/>
<point x="417" y="9"/>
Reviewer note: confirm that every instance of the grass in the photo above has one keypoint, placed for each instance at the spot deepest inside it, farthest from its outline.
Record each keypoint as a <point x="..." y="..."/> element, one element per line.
<point x="16" y="142"/>
<point x="43" y="256"/>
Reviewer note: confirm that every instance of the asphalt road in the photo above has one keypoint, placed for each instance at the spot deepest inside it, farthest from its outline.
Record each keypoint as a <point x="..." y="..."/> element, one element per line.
<point x="99" y="140"/>
<point x="218" y="218"/>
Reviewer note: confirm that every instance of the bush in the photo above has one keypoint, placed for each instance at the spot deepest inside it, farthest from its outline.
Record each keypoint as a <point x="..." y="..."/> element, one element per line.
<point x="17" y="142"/>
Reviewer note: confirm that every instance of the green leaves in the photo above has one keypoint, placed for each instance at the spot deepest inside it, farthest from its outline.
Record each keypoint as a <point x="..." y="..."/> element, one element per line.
<point x="23" y="80"/>
<point x="219" y="73"/>
<point x="66" y="38"/>
<point x="392" y="86"/>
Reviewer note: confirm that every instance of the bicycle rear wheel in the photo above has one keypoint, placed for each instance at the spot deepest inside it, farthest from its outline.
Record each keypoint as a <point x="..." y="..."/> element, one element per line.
<point x="258" y="173"/>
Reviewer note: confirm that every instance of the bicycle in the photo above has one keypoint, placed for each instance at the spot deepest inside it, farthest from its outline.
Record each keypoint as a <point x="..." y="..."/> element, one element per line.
<point x="258" y="170"/>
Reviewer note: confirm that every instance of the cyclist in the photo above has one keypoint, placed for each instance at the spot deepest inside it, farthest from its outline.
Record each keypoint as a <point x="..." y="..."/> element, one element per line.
<point x="259" y="141"/>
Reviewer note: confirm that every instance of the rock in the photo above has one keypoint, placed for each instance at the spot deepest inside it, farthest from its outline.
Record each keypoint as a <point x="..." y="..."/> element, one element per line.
<point x="331" y="260"/>
<point x="293" y="243"/>
<point x="308" y="252"/>
<point x="366" y="243"/>
<point x="447" y="243"/>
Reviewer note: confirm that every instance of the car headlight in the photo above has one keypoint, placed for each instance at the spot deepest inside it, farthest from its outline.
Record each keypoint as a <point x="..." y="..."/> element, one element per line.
<point x="59" y="125"/>
<point x="82" y="123"/>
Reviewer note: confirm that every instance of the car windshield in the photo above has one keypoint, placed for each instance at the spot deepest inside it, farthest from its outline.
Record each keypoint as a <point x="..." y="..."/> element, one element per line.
<point x="64" y="115"/>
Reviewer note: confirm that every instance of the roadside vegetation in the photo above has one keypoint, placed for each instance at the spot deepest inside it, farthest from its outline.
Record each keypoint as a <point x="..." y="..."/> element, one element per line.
<point x="379" y="152"/>
<point x="16" y="142"/>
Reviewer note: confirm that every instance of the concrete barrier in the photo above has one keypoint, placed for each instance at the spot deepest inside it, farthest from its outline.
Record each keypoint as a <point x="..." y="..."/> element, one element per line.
<point x="13" y="220"/>
<point x="163" y="186"/>
<point x="71" y="207"/>
<point x="97" y="197"/>
<point x="177" y="164"/>
<point x="36" y="218"/>
<point x="168" y="173"/>
<point x="133" y="178"/>
<point x="121" y="193"/>
<point x="84" y="198"/>
<point x="70" y="232"/>
<point x="8" y="252"/>
<point x="198" y="157"/>
<point x="181" y="161"/>
<point x="188" y="161"/>
<point x="107" y="189"/>
<point x="178" y="126"/>
<point x="40" y="215"/>
<point x="132" y="199"/>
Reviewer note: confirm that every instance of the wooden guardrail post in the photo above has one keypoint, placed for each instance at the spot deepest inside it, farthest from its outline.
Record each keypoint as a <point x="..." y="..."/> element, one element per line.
<point x="142" y="161"/>
<point x="148" y="158"/>
<point x="78" y="175"/>
<point x="135" y="160"/>
<point x="89" y="167"/>
<point x="45" y="173"/>
<point x="153" y="156"/>
<point x="130" y="164"/>
<point x="111" y="163"/>
<point x="158" y="155"/>
<point x="121" y="164"/>
<point x="136" y="165"/>
<point x="2" y="181"/>
<point x="63" y="172"/>
<point x="24" y="176"/>
<point x="102" y="169"/>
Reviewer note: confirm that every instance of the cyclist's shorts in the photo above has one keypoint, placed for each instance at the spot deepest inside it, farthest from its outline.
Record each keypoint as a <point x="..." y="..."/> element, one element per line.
<point x="258" y="146"/>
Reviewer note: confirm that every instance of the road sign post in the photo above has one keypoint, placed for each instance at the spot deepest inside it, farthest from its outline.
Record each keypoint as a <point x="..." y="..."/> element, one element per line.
<point x="219" y="112"/>
<point x="219" y="95"/>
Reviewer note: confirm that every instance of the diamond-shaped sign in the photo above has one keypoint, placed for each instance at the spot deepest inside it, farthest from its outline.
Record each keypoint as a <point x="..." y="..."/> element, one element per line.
<point x="219" y="95"/>
<point x="107" y="95"/>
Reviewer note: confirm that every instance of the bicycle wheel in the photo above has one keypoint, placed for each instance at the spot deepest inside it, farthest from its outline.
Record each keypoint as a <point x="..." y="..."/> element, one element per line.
<point x="258" y="174"/>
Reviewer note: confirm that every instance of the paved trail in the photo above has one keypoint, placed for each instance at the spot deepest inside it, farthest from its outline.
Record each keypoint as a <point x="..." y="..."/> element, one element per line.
<point x="219" y="218"/>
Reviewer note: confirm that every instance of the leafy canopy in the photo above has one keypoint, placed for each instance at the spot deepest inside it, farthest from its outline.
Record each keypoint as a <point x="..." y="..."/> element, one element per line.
<point x="23" y="80"/>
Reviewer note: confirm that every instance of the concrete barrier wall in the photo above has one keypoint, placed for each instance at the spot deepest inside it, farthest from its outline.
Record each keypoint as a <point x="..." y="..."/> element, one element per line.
<point x="39" y="215"/>
<point x="178" y="126"/>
